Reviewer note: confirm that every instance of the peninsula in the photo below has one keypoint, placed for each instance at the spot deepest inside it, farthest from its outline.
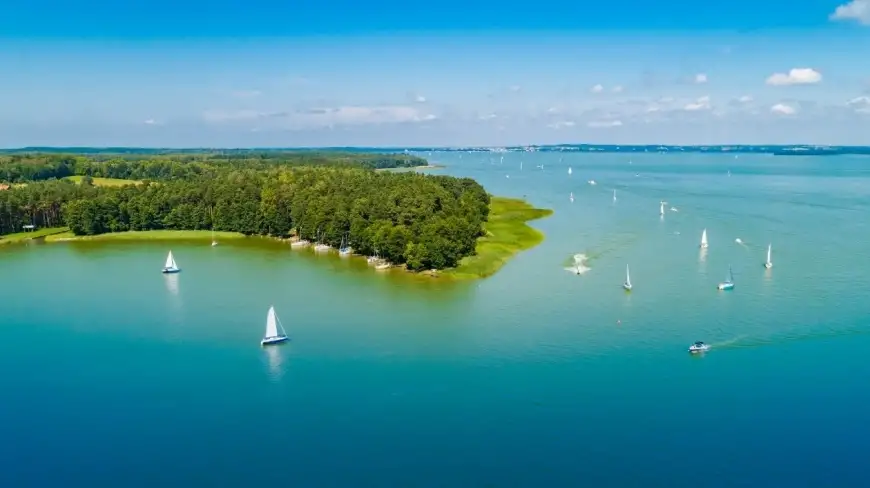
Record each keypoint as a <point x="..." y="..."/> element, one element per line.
<point x="443" y="225"/>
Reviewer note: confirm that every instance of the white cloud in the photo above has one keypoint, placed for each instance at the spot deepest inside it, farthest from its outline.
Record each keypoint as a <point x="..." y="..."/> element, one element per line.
<point x="857" y="10"/>
<point x="487" y="116"/>
<point x="700" y="78"/>
<point x="329" y="116"/>
<point x="860" y="104"/>
<point x="783" y="109"/>
<point x="795" y="76"/>
<point x="553" y="110"/>
<point x="150" y="122"/>
<point x="617" y="89"/>
<point x="561" y="124"/>
<point x="597" y="89"/>
<point x="604" y="124"/>
<point x="420" y="99"/>
<point x="702" y="103"/>
<point x="745" y="99"/>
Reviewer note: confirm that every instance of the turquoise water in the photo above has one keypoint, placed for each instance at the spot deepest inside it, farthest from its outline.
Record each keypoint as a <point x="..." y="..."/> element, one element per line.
<point x="116" y="375"/>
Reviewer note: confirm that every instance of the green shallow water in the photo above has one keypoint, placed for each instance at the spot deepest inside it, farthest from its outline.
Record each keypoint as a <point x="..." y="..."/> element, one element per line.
<point x="116" y="375"/>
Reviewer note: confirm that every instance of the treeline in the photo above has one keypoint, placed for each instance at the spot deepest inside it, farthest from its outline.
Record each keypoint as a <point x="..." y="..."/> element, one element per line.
<point x="423" y="221"/>
<point x="17" y="168"/>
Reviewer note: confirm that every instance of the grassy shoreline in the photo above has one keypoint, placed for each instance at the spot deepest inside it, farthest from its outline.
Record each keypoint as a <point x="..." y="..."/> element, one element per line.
<point x="507" y="233"/>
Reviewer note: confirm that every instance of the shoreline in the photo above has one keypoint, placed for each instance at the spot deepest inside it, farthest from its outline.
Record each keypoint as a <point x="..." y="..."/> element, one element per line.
<point x="411" y="168"/>
<point x="507" y="234"/>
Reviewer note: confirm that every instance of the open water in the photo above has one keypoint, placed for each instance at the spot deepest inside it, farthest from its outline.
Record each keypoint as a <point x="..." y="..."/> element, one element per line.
<point x="114" y="375"/>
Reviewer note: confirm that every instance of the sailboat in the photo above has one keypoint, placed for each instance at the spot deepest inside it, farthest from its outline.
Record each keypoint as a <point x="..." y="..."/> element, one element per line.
<point x="569" y="171"/>
<point x="704" y="239"/>
<point x="213" y="240"/>
<point x="728" y="284"/>
<point x="614" y="196"/>
<point x="571" y="197"/>
<point x="768" y="264"/>
<point x="345" y="249"/>
<point x="627" y="284"/>
<point x="662" y="208"/>
<point x="275" y="332"/>
<point x="170" y="266"/>
<point x="320" y="246"/>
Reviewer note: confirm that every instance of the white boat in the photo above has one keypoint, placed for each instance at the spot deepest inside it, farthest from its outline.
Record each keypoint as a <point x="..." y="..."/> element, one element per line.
<point x="570" y="171"/>
<point x="275" y="332"/>
<point x="383" y="265"/>
<point x="627" y="284"/>
<point x="170" y="266"/>
<point x="662" y="208"/>
<point x="571" y="197"/>
<point x="591" y="182"/>
<point x="698" y="347"/>
<point x="345" y="249"/>
<point x="614" y="195"/>
<point x="213" y="240"/>
<point x="704" y="239"/>
<point x="768" y="264"/>
<point x="728" y="284"/>
<point x="321" y="246"/>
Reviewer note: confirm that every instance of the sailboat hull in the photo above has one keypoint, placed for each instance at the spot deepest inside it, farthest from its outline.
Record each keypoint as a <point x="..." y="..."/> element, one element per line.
<point x="768" y="265"/>
<point x="170" y="270"/>
<point x="626" y="286"/>
<point x="725" y="286"/>
<point x="268" y="341"/>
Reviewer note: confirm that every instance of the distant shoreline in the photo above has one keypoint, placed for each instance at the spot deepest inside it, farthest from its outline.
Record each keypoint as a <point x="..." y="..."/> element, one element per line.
<point x="507" y="234"/>
<point x="411" y="168"/>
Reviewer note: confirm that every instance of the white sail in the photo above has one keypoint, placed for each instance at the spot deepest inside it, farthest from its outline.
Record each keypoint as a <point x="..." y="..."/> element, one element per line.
<point x="704" y="239"/>
<point x="569" y="170"/>
<point x="614" y="195"/>
<point x="768" y="254"/>
<point x="661" y="208"/>
<point x="627" y="277"/>
<point x="271" y="323"/>
<point x="170" y="261"/>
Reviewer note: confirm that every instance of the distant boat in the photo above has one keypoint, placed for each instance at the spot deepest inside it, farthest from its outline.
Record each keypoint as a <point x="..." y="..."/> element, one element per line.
<point x="273" y="335"/>
<point x="728" y="284"/>
<point x="321" y="246"/>
<point x="569" y="171"/>
<point x="662" y="208"/>
<point x="591" y="182"/>
<point x="170" y="266"/>
<point x="614" y="195"/>
<point x="674" y="209"/>
<point x="768" y="264"/>
<point x="571" y="197"/>
<point x="698" y="347"/>
<point x="704" y="239"/>
<point x="213" y="240"/>
<point x="627" y="284"/>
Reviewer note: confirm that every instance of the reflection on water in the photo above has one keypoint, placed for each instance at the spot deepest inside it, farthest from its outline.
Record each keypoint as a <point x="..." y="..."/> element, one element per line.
<point x="172" y="283"/>
<point x="275" y="357"/>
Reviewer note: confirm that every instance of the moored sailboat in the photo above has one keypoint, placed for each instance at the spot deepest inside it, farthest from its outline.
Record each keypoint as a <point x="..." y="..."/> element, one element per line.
<point x="728" y="284"/>
<point x="275" y="332"/>
<point x="704" y="239"/>
<point x="768" y="264"/>
<point x="170" y="266"/>
<point x="627" y="284"/>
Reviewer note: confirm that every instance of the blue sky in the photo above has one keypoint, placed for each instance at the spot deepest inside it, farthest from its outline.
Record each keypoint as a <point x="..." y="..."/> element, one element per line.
<point x="269" y="73"/>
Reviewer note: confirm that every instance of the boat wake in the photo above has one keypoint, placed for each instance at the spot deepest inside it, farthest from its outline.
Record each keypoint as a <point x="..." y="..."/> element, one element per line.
<point x="578" y="264"/>
<point x="747" y="341"/>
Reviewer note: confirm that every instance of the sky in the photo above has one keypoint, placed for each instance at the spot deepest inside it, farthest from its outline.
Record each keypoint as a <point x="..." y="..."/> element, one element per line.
<point x="268" y="73"/>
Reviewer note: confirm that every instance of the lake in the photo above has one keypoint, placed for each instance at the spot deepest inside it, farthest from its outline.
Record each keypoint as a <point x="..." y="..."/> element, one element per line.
<point x="117" y="375"/>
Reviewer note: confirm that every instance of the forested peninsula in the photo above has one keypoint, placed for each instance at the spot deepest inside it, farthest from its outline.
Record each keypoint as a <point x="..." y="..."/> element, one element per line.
<point x="420" y="221"/>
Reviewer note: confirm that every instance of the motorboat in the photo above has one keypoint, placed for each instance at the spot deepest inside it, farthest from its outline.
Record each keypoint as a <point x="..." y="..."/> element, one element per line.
<point x="698" y="347"/>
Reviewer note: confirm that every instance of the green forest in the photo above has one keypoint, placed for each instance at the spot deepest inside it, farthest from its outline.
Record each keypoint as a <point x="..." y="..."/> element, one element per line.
<point x="422" y="221"/>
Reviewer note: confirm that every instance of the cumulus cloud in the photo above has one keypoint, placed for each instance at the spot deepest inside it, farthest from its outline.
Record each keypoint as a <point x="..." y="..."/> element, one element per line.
<point x="150" y="122"/>
<point x="617" y="89"/>
<point x="795" y="76"/>
<point x="597" y="89"/>
<point x="561" y="124"/>
<point x="856" y="10"/>
<point x="783" y="109"/>
<point x="745" y="99"/>
<point x="700" y="78"/>
<point x="860" y="104"/>
<point x="702" y="103"/>
<point x="604" y="124"/>
<point x="420" y="99"/>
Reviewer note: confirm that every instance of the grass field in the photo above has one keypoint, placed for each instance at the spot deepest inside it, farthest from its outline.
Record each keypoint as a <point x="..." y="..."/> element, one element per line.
<point x="506" y="234"/>
<point x="153" y="235"/>
<point x="104" y="181"/>
<point x="25" y="236"/>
